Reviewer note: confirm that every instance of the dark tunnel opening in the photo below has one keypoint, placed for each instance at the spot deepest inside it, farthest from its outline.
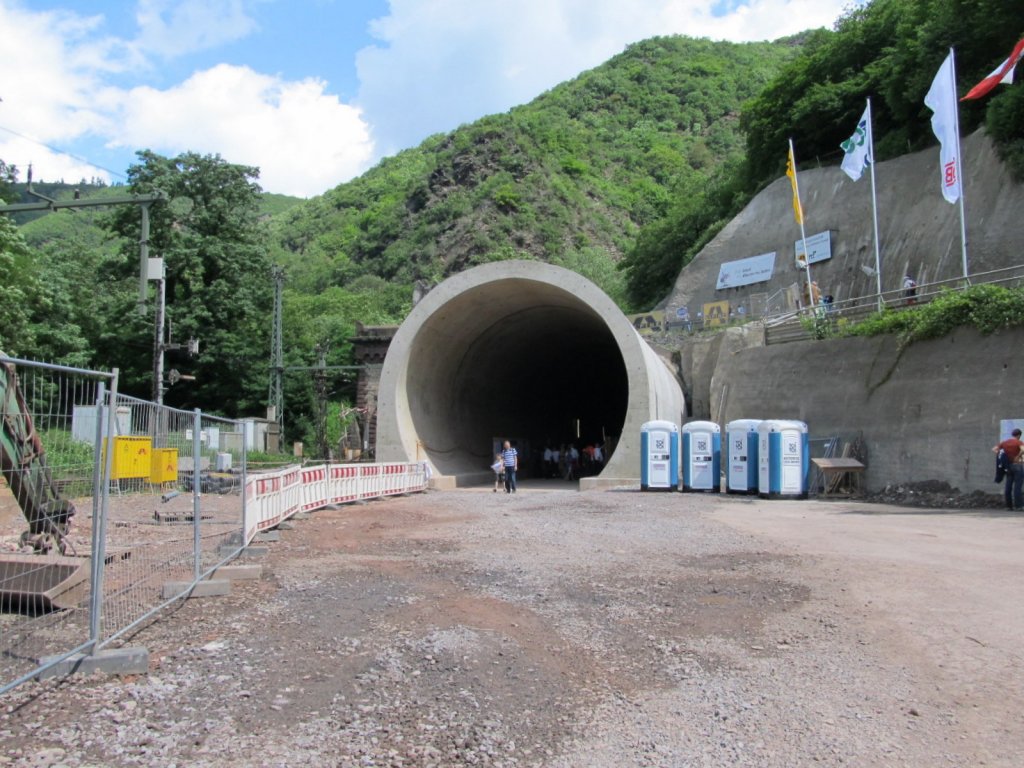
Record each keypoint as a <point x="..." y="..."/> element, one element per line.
<point x="531" y="372"/>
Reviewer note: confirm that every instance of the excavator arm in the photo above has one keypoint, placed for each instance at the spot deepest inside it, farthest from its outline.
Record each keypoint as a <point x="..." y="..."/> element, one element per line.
<point x="24" y="468"/>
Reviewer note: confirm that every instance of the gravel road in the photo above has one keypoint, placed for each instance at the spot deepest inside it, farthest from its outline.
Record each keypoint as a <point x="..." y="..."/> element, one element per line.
<point x="557" y="629"/>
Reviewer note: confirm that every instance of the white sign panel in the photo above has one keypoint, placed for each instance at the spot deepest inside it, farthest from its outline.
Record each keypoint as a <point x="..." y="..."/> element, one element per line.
<point x="756" y="269"/>
<point x="819" y="246"/>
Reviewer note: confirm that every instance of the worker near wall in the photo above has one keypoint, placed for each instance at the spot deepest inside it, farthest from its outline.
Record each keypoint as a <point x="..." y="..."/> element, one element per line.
<point x="1014" y="479"/>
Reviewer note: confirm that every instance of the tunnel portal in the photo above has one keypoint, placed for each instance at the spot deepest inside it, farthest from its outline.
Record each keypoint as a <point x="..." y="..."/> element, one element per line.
<point x="521" y="350"/>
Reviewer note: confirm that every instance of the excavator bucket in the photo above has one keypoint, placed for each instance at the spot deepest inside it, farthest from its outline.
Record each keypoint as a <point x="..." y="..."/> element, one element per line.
<point x="37" y="584"/>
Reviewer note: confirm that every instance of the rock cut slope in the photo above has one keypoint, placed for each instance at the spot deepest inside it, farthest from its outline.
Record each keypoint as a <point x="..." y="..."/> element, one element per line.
<point x="919" y="231"/>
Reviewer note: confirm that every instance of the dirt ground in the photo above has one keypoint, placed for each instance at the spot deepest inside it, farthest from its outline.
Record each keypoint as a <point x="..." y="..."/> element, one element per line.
<point x="558" y="629"/>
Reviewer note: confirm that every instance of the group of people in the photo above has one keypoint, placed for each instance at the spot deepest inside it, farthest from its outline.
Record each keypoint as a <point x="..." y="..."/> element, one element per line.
<point x="569" y="463"/>
<point x="564" y="461"/>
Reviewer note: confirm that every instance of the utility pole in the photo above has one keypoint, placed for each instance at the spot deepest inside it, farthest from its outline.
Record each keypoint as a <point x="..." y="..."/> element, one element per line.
<point x="158" y="334"/>
<point x="320" y="386"/>
<point x="275" y="399"/>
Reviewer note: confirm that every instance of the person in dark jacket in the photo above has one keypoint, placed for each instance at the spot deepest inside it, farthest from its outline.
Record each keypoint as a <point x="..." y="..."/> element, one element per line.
<point x="1014" y="478"/>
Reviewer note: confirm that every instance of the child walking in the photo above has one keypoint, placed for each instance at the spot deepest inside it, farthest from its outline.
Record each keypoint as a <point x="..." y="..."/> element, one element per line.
<point x="499" y="472"/>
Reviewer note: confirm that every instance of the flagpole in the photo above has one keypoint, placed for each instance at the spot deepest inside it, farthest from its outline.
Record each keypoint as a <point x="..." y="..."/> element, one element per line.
<point x="803" y="234"/>
<point x="959" y="169"/>
<point x="874" y="205"/>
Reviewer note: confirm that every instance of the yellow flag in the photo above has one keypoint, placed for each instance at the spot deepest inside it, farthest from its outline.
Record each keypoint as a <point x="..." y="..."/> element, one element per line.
<point x="798" y="211"/>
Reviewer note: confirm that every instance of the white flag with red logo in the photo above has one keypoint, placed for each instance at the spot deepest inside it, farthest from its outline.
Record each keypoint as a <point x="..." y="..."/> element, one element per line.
<point x="941" y="100"/>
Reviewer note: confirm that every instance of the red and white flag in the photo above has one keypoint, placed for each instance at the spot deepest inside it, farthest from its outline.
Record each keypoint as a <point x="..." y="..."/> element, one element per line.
<point x="1001" y="74"/>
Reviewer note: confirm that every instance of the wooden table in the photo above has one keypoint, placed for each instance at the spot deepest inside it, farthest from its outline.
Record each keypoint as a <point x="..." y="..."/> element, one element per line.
<point x="835" y="470"/>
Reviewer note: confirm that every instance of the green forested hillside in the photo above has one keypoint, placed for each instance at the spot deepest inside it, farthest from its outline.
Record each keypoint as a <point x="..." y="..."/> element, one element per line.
<point x="888" y="50"/>
<point x="570" y="178"/>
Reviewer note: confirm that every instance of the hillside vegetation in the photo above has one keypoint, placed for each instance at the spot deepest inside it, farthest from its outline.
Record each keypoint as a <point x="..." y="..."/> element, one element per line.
<point x="888" y="50"/>
<point x="570" y="178"/>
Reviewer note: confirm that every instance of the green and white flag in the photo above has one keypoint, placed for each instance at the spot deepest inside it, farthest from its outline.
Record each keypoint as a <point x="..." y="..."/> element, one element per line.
<point x="858" y="148"/>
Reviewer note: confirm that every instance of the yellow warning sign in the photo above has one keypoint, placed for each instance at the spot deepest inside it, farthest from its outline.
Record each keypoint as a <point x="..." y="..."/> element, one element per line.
<point x="647" y="323"/>
<point x="716" y="313"/>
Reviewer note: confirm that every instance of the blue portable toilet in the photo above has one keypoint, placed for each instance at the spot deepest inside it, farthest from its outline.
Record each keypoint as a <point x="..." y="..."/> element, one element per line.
<point x="741" y="456"/>
<point x="702" y="457"/>
<point x="783" y="458"/>
<point x="659" y="456"/>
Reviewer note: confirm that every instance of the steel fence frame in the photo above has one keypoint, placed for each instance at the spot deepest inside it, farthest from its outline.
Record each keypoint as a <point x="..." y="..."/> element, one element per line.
<point x="170" y="568"/>
<point x="31" y="645"/>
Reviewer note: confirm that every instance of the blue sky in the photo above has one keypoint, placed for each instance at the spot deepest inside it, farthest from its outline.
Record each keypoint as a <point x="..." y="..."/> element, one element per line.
<point x="313" y="92"/>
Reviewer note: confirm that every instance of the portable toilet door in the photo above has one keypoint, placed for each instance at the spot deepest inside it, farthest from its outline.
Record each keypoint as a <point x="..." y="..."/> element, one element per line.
<point x="659" y="456"/>
<point x="783" y="459"/>
<point x="741" y="456"/>
<point x="702" y="457"/>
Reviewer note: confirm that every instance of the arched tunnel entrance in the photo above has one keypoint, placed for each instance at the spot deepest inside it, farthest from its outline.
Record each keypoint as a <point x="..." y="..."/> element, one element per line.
<point x="521" y="350"/>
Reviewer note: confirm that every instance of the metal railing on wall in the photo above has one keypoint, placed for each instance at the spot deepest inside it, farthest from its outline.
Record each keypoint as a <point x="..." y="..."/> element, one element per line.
<point x="863" y="306"/>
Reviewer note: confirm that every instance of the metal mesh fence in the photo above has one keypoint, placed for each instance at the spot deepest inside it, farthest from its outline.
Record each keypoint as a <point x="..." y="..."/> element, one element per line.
<point x="110" y="508"/>
<point x="50" y="494"/>
<point x="175" y="509"/>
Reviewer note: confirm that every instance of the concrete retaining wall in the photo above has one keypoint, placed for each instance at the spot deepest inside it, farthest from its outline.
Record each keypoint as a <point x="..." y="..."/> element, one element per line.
<point x="930" y="413"/>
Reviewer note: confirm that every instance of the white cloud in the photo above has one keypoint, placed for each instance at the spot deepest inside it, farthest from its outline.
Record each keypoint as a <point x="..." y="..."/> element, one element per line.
<point x="447" y="62"/>
<point x="303" y="139"/>
<point x="55" y="92"/>
<point x="176" y="27"/>
<point x="438" y="64"/>
<point x="47" y="96"/>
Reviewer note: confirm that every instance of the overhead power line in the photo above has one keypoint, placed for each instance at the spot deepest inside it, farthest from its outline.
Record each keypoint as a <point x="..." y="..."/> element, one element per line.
<point x="79" y="158"/>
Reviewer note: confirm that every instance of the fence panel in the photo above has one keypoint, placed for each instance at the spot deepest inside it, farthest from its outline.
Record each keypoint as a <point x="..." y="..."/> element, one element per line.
<point x="51" y="420"/>
<point x="111" y="508"/>
<point x="175" y="510"/>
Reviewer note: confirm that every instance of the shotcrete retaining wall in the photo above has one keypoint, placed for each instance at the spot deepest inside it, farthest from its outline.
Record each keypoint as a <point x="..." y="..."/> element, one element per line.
<point x="523" y="350"/>
<point x="930" y="413"/>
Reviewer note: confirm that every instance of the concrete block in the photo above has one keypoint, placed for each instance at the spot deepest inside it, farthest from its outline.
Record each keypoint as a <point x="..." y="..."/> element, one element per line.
<point x="116" y="661"/>
<point x="254" y="550"/>
<point x="250" y="572"/>
<point x="286" y="526"/>
<point x="268" y="536"/>
<point x="598" y="483"/>
<point x="442" y="483"/>
<point x="206" y="588"/>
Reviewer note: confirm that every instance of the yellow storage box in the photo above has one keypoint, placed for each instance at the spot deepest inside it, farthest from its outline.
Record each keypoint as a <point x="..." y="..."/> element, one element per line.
<point x="164" y="467"/>
<point x="132" y="457"/>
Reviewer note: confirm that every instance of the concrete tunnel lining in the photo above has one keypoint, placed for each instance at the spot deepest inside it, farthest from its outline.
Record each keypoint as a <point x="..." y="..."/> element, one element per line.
<point x="518" y="349"/>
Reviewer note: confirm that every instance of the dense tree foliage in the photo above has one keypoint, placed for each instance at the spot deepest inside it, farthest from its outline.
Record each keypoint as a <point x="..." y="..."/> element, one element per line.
<point x="18" y="291"/>
<point x="888" y="50"/>
<point x="569" y="178"/>
<point x="218" y="286"/>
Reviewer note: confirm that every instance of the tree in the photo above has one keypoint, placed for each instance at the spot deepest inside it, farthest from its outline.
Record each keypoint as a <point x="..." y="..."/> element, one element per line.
<point x="8" y="178"/>
<point x="18" y="288"/>
<point x="218" y="285"/>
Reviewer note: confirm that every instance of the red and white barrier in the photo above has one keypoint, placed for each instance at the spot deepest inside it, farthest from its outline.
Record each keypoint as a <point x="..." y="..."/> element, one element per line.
<point x="273" y="497"/>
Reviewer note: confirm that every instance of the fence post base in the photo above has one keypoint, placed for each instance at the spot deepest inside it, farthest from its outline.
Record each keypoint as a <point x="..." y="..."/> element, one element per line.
<point x="113" y="661"/>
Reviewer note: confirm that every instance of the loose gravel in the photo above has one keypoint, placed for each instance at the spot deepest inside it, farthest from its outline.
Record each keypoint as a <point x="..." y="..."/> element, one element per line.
<point x="548" y="628"/>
